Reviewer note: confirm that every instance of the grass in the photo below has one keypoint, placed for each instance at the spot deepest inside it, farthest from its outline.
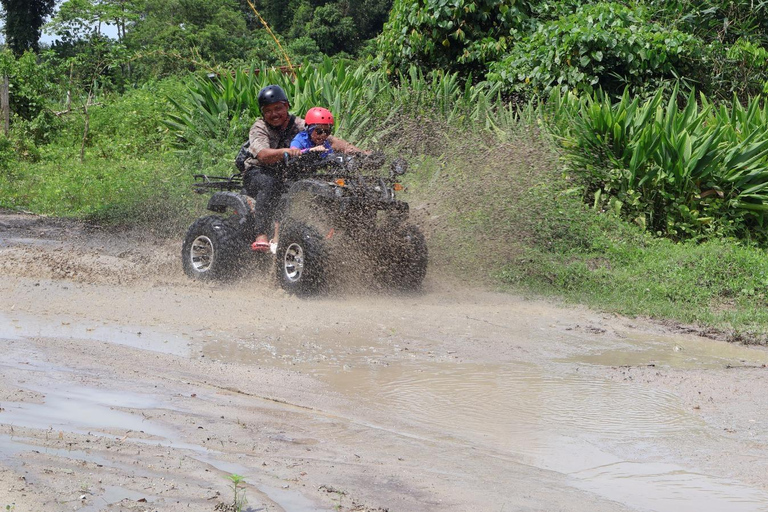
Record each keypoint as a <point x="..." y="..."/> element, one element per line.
<point x="717" y="284"/>
<point x="138" y="190"/>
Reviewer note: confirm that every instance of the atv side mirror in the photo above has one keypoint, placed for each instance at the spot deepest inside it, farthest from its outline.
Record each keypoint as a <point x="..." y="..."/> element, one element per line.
<point x="398" y="167"/>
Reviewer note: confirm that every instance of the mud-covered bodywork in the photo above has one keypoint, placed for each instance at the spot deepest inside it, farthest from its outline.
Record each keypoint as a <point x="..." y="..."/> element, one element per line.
<point x="332" y="206"/>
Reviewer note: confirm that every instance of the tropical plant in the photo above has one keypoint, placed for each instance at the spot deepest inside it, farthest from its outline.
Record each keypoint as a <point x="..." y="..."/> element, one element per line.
<point x="685" y="172"/>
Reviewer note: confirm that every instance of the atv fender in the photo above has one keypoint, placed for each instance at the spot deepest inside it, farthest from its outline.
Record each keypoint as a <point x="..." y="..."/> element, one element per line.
<point x="243" y="207"/>
<point x="313" y="187"/>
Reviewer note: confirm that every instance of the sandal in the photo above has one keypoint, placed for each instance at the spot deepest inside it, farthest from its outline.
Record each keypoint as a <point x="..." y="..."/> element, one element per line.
<point x="260" y="245"/>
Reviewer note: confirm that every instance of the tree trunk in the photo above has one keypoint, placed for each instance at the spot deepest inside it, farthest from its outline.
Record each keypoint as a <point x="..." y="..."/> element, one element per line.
<point x="5" y="105"/>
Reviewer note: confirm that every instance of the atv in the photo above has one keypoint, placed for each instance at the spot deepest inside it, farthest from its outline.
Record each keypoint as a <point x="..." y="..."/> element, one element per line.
<point x="337" y="215"/>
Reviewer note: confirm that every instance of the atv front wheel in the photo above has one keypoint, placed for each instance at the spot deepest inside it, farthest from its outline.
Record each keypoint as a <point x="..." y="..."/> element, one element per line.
<point x="301" y="259"/>
<point x="405" y="258"/>
<point x="211" y="249"/>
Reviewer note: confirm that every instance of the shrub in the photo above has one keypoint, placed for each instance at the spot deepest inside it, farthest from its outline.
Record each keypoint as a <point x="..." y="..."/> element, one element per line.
<point x="462" y="36"/>
<point x="604" y="46"/>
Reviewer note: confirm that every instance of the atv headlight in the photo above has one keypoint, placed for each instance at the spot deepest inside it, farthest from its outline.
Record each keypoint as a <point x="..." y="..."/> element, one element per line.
<point x="398" y="167"/>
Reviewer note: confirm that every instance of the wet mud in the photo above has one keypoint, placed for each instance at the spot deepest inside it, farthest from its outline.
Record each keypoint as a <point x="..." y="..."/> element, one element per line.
<point x="125" y="386"/>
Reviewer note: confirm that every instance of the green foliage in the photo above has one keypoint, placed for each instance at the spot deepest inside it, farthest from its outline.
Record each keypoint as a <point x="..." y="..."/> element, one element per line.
<point x="60" y="185"/>
<point x="173" y="35"/>
<point x="95" y="63"/>
<point x="690" y="172"/>
<point x="331" y="29"/>
<point x="304" y="49"/>
<point x="739" y="69"/>
<point x="132" y="123"/>
<point x="725" y="21"/>
<point x="335" y="26"/>
<point x="445" y="97"/>
<point x="126" y="175"/>
<point x="461" y="35"/>
<point x="604" y="46"/>
<point x="23" y="22"/>
<point x="31" y="81"/>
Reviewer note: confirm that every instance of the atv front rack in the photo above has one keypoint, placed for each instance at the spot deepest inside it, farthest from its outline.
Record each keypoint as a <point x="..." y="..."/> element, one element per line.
<point x="207" y="183"/>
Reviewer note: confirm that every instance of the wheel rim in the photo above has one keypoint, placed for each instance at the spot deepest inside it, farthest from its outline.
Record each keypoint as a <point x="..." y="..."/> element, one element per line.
<point x="201" y="254"/>
<point x="293" y="263"/>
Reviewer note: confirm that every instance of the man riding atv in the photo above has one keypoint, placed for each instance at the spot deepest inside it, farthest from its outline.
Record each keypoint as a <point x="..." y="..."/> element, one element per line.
<point x="338" y="214"/>
<point x="270" y="140"/>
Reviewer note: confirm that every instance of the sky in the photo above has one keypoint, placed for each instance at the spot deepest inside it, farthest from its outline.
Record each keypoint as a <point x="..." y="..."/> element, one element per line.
<point x="107" y="30"/>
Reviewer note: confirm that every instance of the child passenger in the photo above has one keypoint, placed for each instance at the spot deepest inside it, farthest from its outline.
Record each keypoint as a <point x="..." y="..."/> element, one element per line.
<point x="317" y="135"/>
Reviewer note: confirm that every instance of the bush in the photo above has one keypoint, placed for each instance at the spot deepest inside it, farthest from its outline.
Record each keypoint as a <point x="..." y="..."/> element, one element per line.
<point x="604" y="46"/>
<point x="461" y="36"/>
<point x="132" y="123"/>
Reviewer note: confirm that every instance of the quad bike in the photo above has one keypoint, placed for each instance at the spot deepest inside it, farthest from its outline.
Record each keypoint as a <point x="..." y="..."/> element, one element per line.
<point x="336" y="216"/>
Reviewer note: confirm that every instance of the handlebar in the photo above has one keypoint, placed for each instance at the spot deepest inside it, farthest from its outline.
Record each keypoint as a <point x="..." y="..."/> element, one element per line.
<point x="310" y="163"/>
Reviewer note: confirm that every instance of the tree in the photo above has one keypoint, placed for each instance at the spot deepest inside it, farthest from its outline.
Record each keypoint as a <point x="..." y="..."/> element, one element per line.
<point x="460" y="35"/>
<point x="328" y="25"/>
<point x="24" y="20"/>
<point x="173" y="35"/>
<point x="82" y="19"/>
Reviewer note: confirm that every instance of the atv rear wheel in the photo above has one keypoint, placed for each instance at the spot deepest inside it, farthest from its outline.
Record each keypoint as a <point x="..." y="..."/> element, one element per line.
<point x="212" y="249"/>
<point x="302" y="258"/>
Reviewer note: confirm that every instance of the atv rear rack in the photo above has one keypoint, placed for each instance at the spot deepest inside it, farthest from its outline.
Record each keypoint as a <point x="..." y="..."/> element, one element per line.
<point x="208" y="183"/>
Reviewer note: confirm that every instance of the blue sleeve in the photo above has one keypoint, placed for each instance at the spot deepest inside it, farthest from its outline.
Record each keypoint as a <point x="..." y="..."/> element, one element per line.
<point x="300" y="141"/>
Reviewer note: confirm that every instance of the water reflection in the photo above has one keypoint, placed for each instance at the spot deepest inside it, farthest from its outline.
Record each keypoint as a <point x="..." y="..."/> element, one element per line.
<point x="603" y="434"/>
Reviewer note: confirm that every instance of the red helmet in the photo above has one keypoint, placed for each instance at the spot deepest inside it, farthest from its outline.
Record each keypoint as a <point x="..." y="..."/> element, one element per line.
<point x="318" y="115"/>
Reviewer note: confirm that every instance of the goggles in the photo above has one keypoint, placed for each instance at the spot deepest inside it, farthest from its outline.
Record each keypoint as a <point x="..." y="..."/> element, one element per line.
<point x="322" y="130"/>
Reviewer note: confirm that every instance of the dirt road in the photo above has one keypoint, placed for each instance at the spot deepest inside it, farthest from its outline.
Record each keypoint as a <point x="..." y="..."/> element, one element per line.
<point x="124" y="386"/>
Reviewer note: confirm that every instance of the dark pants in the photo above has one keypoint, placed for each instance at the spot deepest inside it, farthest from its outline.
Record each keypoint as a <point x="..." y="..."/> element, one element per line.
<point x="265" y="186"/>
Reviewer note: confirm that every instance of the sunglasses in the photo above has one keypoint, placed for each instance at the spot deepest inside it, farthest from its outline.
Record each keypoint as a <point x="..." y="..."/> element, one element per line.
<point x="322" y="131"/>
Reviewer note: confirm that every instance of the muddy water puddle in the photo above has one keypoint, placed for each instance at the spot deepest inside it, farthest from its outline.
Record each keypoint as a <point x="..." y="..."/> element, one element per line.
<point x="618" y="440"/>
<point x="614" y="439"/>
<point x="17" y="325"/>
<point x="681" y="352"/>
<point x="606" y="436"/>
<point x="82" y="410"/>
